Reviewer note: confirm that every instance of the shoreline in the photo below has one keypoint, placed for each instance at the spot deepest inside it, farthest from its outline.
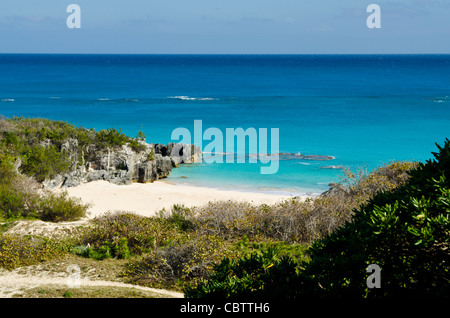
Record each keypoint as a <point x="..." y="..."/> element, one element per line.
<point x="149" y="198"/>
<point x="290" y="192"/>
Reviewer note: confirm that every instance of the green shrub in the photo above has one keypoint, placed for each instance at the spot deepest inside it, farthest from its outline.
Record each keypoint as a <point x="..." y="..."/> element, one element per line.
<point x="405" y="232"/>
<point x="59" y="207"/>
<point x="143" y="234"/>
<point x="12" y="204"/>
<point x="7" y="170"/>
<point x="10" y="139"/>
<point x="385" y="178"/>
<point x="140" y="135"/>
<point x="118" y="249"/>
<point x="261" y="274"/>
<point x="179" y="217"/>
<point x="121" y="249"/>
<point x="136" y="145"/>
<point x="111" y="138"/>
<point x="404" y="228"/>
<point x="44" y="162"/>
<point x="151" y="156"/>
<point x="296" y="220"/>
<point x="38" y="142"/>
<point x="171" y="266"/>
<point x="80" y="250"/>
<point x="18" y="251"/>
<point x="296" y="251"/>
<point x="101" y="253"/>
<point x="17" y="197"/>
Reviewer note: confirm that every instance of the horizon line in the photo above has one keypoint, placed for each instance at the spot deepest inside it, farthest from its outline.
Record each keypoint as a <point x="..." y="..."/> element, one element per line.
<point x="47" y="53"/>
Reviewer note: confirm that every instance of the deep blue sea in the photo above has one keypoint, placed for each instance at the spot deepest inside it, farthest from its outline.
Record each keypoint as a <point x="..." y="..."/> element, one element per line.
<point x="364" y="110"/>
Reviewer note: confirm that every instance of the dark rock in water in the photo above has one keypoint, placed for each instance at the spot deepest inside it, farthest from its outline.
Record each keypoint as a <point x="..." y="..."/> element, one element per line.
<point x="317" y="157"/>
<point x="333" y="167"/>
<point x="298" y="156"/>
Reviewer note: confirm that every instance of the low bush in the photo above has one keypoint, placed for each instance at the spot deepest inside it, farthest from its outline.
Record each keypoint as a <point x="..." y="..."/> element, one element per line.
<point x="259" y="275"/>
<point x="143" y="234"/>
<point x="406" y="232"/>
<point x="20" y="197"/>
<point x="174" y="265"/>
<point x="404" y="228"/>
<point x="297" y="220"/>
<point x="44" y="162"/>
<point x="136" y="145"/>
<point x="111" y="138"/>
<point x="117" y="249"/>
<point x="7" y="169"/>
<point x="18" y="251"/>
<point x="282" y="248"/>
<point x="59" y="207"/>
<point x="179" y="217"/>
<point x="18" y="194"/>
<point x="12" y="204"/>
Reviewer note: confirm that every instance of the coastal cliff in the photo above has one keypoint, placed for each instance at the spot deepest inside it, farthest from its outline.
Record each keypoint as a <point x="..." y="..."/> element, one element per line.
<point x="58" y="154"/>
<point x="123" y="165"/>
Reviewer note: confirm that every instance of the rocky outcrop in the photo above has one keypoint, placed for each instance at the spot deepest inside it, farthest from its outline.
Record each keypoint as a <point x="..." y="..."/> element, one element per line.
<point x="122" y="165"/>
<point x="154" y="169"/>
<point x="184" y="153"/>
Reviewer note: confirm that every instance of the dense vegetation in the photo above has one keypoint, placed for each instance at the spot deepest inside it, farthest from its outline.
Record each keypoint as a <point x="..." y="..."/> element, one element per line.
<point x="32" y="150"/>
<point x="405" y="231"/>
<point x="40" y="145"/>
<point x="21" y="197"/>
<point x="396" y="216"/>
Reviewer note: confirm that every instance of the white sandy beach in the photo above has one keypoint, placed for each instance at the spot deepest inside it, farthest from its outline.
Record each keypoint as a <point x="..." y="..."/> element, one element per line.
<point x="146" y="199"/>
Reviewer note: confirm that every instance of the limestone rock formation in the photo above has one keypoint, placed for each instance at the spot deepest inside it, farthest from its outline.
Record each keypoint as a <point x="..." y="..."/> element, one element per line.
<point x="123" y="165"/>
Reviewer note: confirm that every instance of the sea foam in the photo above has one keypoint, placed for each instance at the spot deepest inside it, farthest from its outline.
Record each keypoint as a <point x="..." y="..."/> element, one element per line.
<point x="191" y="98"/>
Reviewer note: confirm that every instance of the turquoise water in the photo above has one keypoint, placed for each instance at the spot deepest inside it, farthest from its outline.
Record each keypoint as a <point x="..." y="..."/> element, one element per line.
<point x="364" y="110"/>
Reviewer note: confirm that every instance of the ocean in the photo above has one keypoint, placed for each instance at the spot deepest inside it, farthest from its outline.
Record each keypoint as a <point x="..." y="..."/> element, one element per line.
<point x="361" y="110"/>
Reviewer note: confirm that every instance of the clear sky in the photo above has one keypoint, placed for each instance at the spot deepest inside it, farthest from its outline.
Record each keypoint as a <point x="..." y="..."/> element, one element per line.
<point x="225" y="26"/>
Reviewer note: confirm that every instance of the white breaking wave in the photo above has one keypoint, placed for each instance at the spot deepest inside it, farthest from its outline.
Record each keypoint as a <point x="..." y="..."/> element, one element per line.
<point x="440" y="99"/>
<point x="8" y="100"/>
<point x="124" y="99"/>
<point x="191" y="98"/>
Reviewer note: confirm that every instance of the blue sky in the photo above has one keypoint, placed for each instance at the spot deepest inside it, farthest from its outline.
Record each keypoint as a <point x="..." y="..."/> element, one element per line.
<point x="225" y="27"/>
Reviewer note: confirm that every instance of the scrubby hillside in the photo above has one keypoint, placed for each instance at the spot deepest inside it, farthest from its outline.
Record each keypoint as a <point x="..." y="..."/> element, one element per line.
<point x="60" y="154"/>
<point x="403" y="228"/>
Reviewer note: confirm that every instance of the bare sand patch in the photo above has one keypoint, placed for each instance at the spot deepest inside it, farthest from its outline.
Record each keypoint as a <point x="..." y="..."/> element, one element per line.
<point x="147" y="199"/>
